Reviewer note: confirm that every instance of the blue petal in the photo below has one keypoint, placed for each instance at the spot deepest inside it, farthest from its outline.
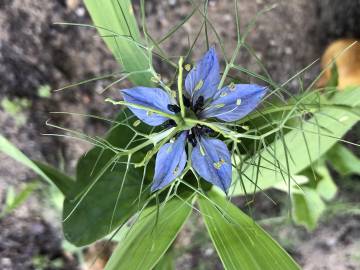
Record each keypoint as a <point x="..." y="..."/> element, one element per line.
<point x="211" y="160"/>
<point x="204" y="78"/>
<point x="154" y="98"/>
<point x="170" y="162"/>
<point x="234" y="102"/>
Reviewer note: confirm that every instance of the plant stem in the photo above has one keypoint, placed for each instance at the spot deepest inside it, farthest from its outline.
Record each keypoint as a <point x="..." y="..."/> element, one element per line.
<point x="180" y="87"/>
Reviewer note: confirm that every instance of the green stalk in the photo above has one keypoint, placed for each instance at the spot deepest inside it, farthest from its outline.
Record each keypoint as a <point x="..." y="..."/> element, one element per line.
<point x="180" y="88"/>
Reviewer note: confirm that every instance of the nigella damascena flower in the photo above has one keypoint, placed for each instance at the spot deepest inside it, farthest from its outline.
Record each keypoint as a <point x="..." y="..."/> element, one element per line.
<point x="201" y="100"/>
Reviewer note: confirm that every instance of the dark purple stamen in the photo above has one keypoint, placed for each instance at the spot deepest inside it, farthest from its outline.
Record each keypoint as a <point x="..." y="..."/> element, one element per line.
<point x="207" y="130"/>
<point x="199" y="104"/>
<point x="191" y="138"/>
<point x="173" y="108"/>
<point x="186" y="101"/>
<point x="169" y="123"/>
<point x="196" y="132"/>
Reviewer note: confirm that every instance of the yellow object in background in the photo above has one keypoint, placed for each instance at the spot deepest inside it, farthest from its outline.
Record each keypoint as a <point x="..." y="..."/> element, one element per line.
<point x="347" y="60"/>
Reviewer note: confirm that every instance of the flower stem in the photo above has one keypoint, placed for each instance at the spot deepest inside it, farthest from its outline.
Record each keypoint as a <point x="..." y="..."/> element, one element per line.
<point x="180" y="87"/>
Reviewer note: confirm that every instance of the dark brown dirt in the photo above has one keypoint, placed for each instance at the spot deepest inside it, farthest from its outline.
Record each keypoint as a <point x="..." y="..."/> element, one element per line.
<point x="35" y="52"/>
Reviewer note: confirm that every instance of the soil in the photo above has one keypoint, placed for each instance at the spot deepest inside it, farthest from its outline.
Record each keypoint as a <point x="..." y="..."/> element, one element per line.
<point x="35" y="52"/>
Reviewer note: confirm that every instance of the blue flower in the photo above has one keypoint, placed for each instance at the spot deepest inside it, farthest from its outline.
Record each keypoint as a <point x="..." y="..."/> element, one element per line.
<point x="202" y="100"/>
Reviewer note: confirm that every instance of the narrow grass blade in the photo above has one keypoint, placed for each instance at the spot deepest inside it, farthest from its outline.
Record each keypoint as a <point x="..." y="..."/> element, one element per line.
<point x="343" y="160"/>
<point x="116" y="23"/>
<point x="150" y="236"/>
<point x="62" y="181"/>
<point x="16" y="200"/>
<point x="239" y="241"/>
<point x="48" y="173"/>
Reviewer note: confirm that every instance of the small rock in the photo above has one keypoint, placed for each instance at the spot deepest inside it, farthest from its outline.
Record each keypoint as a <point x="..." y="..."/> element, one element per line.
<point x="288" y="50"/>
<point x="208" y="252"/>
<point x="80" y="12"/>
<point x="5" y="263"/>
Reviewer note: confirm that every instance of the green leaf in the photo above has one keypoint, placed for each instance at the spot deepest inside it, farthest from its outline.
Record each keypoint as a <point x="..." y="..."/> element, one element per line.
<point x="326" y="187"/>
<point x="307" y="207"/>
<point x="239" y="241"/>
<point x="47" y="172"/>
<point x="117" y="25"/>
<point x="10" y="196"/>
<point x="151" y="235"/>
<point x="312" y="187"/>
<point x="294" y="151"/>
<point x="44" y="91"/>
<point x="307" y="197"/>
<point x="107" y="192"/>
<point x="111" y="201"/>
<point x="343" y="160"/>
<point x="166" y="262"/>
<point x="14" y="201"/>
<point x="12" y="151"/>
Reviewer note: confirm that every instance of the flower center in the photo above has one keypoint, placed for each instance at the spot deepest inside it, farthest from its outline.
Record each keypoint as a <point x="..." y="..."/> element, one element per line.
<point x="199" y="105"/>
<point x="195" y="132"/>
